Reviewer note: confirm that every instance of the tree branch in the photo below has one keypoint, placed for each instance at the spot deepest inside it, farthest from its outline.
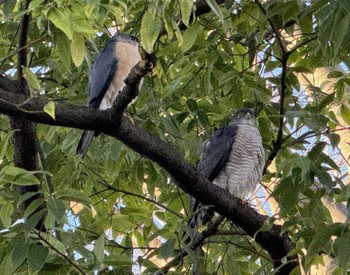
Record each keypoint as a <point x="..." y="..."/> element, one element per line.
<point x="131" y="89"/>
<point x="22" y="41"/>
<point x="24" y="139"/>
<point x="273" y="26"/>
<point x="197" y="242"/>
<point x="110" y="187"/>
<point x="61" y="254"/>
<point x="168" y="157"/>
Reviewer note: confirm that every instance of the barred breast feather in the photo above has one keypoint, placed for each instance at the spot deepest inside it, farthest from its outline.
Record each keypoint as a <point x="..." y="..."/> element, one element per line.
<point x="245" y="164"/>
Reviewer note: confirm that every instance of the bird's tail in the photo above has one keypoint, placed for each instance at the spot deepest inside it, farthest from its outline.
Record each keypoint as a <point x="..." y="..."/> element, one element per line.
<point x="84" y="143"/>
<point x="201" y="215"/>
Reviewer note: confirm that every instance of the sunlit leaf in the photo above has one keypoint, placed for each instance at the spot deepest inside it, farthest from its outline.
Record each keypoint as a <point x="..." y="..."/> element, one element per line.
<point x="216" y="9"/>
<point x="60" y="20"/>
<point x="49" y="108"/>
<point x="189" y="37"/>
<point x="77" y="49"/>
<point x="150" y="28"/>
<point x="186" y="10"/>
<point x="5" y="214"/>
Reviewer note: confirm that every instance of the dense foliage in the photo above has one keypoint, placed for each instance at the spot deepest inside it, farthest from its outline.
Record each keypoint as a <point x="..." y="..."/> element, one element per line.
<point x="116" y="211"/>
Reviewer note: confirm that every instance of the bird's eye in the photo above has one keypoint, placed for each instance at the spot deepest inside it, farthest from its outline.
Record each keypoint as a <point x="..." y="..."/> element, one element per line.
<point x="240" y="115"/>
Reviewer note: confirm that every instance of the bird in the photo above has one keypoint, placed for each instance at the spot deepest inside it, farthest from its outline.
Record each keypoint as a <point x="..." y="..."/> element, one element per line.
<point x="106" y="78"/>
<point x="233" y="159"/>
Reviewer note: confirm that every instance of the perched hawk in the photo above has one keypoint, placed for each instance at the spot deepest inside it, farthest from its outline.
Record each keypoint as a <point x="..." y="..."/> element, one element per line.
<point x="233" y="158"/>
<point x="107" y="75"/>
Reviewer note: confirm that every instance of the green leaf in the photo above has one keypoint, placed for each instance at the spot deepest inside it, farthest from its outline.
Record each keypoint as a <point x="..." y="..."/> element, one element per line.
<point x="171" y="126"/>
<point x="340" y="29"/>
<point x="57" y="208"/>
<point x="167" y="249"/>
<point x="216" y="9"/>
<point x="19" y="176"/>
<point x="5" y="214"/>
<point x="178" y="33"/>
<point x="5" y="143"/>
<point x="150" y="28"/>
<point x="335" y="74"/>
<point x="7" y="265"/>
<point x="119" y="260"/>
<point x="34" y="219"/>
<point x="63" y="49"/>
<point x="8" y="6"/>
<point x="37" y="257"/>
<point x="34" y="205"/>
<point x="49" y="108"/>
<point x="122" y="222"/>
<point x="99" y="248"/>
<point x="334" y="139"/>
<point x="345" y="113"/>
<point x="51" y="241"/>
<point x="203" y="120"/>
<point x="334" y="23"/>
<point x="60" y="20"/>
<point x="19" y="252"/>
<point x="77" y="49"/>
<point x="342" y="250"/>
<point x="321" y="239"/>
<point x="192" y="106"/>
<point x="326" y="101"/>
<point x="73" y="195"/>
<point x="288" y="191"/>
<point x="324" y="178"/>
<point x="316" y="151"/>
<point x="31" y="78"/>
<point x="189" y="37"/>
<point x="168" y="27"/>
<point x="339" y="88"/>
<point x="186" y="10"/>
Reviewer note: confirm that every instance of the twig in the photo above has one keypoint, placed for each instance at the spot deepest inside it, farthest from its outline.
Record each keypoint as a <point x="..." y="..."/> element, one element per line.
<point x="273" y="26"/>
<point x="17" y="51"/>
<point x="110" y="187"/>
<point x="60" y="253"/>
<point x="197" y="242"/>
<point x="302" y="43"/>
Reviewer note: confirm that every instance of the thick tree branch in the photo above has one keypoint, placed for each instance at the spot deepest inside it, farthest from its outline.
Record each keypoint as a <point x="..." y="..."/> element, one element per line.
<point x="8" y="85"/>
<point x="22" y="40"/>
<point x="131" y="89"/>
<point x="24" y="139"/>
<point x="186" y="176"/>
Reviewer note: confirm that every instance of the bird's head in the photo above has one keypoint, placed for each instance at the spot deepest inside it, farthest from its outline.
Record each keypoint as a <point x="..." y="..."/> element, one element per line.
<point x="244" y="116"/>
